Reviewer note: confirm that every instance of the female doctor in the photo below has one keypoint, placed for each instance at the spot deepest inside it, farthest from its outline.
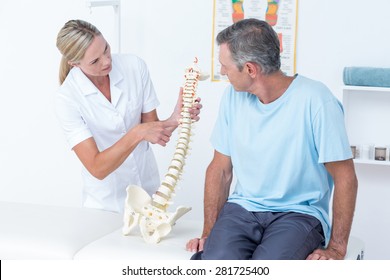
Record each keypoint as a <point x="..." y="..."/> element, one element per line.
<point x="106" y="105"/>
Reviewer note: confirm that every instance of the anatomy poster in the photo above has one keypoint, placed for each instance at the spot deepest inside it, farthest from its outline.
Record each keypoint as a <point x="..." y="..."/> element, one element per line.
<point x="280" y="14"/>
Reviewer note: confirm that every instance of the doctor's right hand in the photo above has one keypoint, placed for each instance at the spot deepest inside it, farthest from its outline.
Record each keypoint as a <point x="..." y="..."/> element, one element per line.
<point x="157" y="132"/>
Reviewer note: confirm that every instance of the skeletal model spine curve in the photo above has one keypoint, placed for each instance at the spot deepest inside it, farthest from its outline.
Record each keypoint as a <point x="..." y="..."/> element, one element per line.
<point x="150" y="213"/>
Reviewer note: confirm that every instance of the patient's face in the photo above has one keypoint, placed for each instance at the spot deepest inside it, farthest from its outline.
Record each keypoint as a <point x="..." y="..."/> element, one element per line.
<point x="240" y="80"/>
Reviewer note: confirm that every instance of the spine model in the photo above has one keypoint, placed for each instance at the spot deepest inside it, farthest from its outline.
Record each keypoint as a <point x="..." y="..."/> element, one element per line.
<point x="151" y="213"/>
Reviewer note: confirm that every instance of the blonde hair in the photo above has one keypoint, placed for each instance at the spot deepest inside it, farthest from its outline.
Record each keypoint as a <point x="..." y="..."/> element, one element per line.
<point x="72" y="41"/>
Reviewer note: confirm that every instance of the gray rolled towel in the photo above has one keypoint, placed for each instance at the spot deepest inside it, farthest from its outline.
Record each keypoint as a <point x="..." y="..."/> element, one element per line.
<point x="366" y="76"/>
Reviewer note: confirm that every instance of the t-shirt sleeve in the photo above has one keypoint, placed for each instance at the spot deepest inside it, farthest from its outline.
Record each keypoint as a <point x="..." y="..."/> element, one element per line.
<point x="330" y="135"/>
<point x="220" y="134"/>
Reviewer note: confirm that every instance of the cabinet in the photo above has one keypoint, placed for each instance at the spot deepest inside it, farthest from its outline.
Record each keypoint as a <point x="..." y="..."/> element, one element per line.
<point x="367" y="119"/>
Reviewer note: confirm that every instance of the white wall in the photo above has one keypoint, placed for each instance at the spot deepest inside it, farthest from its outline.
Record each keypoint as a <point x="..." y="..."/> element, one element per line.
<point x="36" y="164"/>
<point x="332" y="35"/>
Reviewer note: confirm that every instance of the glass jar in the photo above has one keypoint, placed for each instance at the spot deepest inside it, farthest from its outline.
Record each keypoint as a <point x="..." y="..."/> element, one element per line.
<point x="380" y="153"/>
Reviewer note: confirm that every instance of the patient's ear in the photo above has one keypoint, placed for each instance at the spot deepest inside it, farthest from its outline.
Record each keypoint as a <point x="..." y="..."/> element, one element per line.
<point x="251" y="69"/>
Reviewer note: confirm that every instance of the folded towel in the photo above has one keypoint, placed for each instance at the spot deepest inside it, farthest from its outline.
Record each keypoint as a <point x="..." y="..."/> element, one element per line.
<point x="367" y="76"/>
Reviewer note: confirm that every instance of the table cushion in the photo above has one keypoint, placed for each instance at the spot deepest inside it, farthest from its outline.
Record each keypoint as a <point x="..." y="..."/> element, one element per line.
<point x="29" y="231"/>
<point x="118" y="246"/>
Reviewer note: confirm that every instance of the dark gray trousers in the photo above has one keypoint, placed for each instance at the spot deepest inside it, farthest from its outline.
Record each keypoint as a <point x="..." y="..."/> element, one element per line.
<point x="242" y="235"/>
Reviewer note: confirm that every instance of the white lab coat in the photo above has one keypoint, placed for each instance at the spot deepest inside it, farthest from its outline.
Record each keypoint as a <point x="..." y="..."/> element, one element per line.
<point x="84" y="112"/>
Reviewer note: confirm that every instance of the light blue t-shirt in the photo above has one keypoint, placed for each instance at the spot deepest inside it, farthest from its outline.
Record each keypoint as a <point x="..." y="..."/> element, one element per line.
<point x="278" y="150"/>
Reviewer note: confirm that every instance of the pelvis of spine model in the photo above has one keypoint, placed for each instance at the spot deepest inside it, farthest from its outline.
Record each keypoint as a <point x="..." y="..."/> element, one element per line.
<point x="150" y="213"/>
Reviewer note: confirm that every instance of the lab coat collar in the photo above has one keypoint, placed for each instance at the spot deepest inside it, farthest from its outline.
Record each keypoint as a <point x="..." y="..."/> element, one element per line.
<point x="115" y="78"/>
<point x="87" y="87"/>
<point x="115" y="75"/>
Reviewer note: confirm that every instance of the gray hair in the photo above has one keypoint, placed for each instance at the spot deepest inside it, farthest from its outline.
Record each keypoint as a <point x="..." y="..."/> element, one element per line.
<point x="252" y="40"/>
<point x="72" y="41"/>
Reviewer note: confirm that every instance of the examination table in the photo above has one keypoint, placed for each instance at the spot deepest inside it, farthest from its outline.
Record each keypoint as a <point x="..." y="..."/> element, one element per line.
<point x="30" y="231"/>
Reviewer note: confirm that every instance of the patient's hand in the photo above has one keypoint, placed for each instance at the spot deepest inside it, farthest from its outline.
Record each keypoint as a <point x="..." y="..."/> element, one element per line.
<point x="326" y="254"/>
<point x="196" y="244"/>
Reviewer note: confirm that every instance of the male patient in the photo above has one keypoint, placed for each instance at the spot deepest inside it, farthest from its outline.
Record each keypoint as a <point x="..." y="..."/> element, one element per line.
<point x="285" y="139"/>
